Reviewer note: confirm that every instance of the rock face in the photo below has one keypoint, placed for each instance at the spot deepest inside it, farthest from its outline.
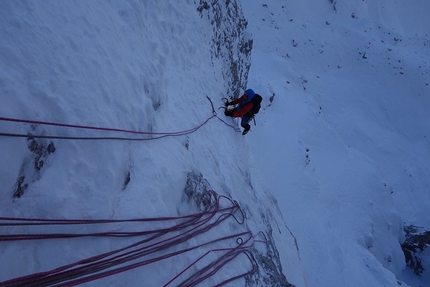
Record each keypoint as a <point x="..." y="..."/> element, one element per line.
<point x="269" y="268"/>
<point x="35" y="162"/>
<point x="231" y="42"/>
<point x="417" y="240"/>
<point x="231" y="46"/>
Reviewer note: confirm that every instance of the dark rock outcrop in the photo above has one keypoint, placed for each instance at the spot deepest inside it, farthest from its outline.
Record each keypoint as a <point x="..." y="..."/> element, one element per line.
<point x="417" y="240"/>
<point x="231" y="44"/>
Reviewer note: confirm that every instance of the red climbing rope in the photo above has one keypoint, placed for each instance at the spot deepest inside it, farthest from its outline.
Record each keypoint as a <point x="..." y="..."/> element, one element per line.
<point x="212" y="268"/>
<point x="136" y="254"/>
<point x="152" y="135"/>
<point x="157" y="135"/>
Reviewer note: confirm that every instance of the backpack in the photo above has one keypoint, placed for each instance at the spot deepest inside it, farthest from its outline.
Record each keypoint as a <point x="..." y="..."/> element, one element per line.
<point x="256" y="103"/>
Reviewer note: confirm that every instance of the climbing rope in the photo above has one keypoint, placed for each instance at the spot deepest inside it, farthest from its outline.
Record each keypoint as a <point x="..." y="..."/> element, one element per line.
<point x="215" y="114"/>
<point x="231" y="254"/>
<point x="139" y="253"/>
<point x="151" y="135"/>
<point x="136" y="254"/>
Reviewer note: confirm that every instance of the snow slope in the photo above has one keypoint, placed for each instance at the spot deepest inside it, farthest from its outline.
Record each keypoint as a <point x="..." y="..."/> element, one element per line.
<point x="132" y="65"/>
<point x="350" y="83"/>
<point x="334" y="168"/>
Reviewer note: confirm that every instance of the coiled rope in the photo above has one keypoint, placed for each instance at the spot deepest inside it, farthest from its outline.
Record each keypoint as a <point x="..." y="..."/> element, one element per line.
<point x="157" y="243"/>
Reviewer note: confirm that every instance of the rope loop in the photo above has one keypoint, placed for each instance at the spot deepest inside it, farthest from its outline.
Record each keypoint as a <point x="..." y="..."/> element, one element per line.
<point x="154" y="245"/>
<point x="213" y="109"/>
<point x="150" y="135"/>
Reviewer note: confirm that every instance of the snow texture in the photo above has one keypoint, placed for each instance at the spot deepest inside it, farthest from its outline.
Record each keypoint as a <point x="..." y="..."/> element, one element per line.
<point x="335" y="167"/>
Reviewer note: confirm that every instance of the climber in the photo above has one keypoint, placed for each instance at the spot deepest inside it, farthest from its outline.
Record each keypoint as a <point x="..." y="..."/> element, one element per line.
<point x="247" y="106"/>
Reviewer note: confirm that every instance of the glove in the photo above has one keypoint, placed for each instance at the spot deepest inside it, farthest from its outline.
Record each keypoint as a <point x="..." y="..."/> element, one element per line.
<point x="228" y="113"/>
<point x="227" y="102"/>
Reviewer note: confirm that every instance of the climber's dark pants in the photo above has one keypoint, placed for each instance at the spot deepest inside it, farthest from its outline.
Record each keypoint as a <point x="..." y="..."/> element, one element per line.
<point x="245" y="121"/>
